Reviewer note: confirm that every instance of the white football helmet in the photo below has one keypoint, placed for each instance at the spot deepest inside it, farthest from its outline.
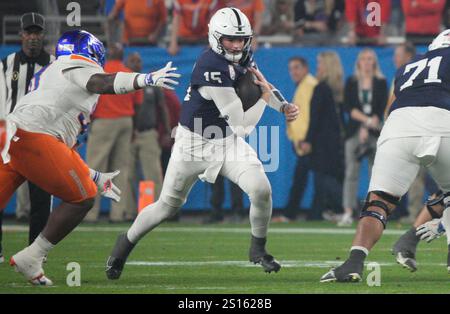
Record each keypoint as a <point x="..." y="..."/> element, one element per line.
<point x="229" y="22"/>
<point x="441" y="41"/>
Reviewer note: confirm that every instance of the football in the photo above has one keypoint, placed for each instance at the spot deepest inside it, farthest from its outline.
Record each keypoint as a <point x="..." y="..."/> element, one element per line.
<point x="247" y="90"/>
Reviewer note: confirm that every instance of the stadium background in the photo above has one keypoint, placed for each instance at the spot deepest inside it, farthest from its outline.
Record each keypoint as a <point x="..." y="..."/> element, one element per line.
<point x="273" y="63"/>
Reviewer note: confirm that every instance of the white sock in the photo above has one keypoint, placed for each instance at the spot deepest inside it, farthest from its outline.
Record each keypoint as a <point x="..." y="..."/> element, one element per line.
<point x="150" y="217"/>
<point x="40" y="247"/>
<point x="361" y="248"/>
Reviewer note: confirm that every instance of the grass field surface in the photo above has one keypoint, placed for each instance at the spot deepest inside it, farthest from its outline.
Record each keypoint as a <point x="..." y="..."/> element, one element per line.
<point x="179" y="258"/>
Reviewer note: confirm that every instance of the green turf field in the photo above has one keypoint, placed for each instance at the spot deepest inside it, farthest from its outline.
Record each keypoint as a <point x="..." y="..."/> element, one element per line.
<point x="192" y="258"/>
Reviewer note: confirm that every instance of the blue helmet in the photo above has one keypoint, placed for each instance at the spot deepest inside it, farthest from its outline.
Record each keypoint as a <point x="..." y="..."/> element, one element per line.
<point x="81" y="43"/>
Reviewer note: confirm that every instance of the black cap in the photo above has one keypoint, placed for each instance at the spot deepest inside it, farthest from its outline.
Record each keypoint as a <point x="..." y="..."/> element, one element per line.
<point x="32" y="19"/>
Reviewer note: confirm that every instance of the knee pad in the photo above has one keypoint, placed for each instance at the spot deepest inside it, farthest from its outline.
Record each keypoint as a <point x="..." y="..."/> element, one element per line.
<point x="437" y="200"/>
<point x="383" y="204"/>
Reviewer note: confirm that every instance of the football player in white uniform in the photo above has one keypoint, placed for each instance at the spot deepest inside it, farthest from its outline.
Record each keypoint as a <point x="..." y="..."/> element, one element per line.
<point x="416" y="133"/>
<point x="41" y="136"/>
<point x="209" y="139"/>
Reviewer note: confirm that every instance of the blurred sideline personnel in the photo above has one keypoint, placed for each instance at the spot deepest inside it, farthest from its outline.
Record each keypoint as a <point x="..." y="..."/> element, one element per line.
<point x="110" y="134"/>
<point x="42" y="134"/>
<point x="297" y="131"/>
<point x="16" y="72"/>
<point x="210" y="140"/>
<point x="416" y="133"/>
<point x="145" y="150"/>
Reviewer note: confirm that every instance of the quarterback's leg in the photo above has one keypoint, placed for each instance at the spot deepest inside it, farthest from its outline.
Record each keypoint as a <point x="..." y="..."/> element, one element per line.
<point x="244" y="169"/>
<point x="387" y="185"/>
<point x="260" y="195"/>
<point x="179" y="179"/>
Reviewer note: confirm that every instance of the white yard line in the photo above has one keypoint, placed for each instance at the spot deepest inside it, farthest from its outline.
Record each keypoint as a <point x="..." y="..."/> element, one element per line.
<point x="287" y="263"/>
<point x="332" y="231"/>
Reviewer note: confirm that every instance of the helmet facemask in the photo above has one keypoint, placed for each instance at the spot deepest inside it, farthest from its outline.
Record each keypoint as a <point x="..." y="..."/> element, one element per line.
<point x="229" y="55"/>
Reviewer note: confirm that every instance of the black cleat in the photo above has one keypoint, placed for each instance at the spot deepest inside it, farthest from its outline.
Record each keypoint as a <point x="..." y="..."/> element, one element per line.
<point x="258" y="255"/>
<point x="347" y="272"/>
<point x="268" y="263"/>
<point x="119" y="255"/>
<point x="407" y="260"/>
<point x="114" y="267"/>
<point x="404" y="250"/>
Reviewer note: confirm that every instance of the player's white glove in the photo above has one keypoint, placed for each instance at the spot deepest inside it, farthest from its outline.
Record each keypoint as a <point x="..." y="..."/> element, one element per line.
<point x="105" y="185"/>
<point x="161" y="78"/>
<point x="430" y="230"/>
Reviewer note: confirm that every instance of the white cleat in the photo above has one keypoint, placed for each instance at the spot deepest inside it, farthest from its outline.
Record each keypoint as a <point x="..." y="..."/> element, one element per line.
<point x="31" y="268"/>
<point x="2" y="258"/>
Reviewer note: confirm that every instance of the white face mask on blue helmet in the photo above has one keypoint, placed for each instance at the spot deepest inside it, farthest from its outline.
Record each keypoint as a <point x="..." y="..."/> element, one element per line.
<point x="230" y="23"/>
<point x="441" y="41"/>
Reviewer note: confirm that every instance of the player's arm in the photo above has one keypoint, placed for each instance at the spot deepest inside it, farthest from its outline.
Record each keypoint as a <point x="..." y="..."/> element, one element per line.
<point x="122" y="82"/>
<point x="230" y="106"/>
<point x="275" y="100"/>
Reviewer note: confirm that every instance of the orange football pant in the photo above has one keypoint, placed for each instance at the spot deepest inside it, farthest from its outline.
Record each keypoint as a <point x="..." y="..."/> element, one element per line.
<point x="49" y="164"/>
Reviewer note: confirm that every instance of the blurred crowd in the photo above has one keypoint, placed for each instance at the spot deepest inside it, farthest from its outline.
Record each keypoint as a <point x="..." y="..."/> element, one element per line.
<point x="310" y="22"/>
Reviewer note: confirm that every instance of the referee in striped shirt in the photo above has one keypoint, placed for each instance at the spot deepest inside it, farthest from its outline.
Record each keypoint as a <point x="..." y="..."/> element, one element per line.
<point x="16" y="72"/>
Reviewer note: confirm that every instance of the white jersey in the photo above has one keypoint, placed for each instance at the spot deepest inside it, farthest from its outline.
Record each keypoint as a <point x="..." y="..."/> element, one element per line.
<point x="58" y="103"/>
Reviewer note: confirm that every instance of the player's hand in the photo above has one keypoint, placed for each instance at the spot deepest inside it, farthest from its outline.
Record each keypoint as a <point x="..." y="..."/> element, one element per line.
<point x="106" y="187"/>
<point x="161" y="78"/>
<point x="430" y="230"/>
<point x="291" y="112"/>
<point x="261" y="82"/>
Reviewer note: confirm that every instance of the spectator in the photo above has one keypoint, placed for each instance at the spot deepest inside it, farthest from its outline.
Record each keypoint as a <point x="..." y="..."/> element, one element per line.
<point x="190" y="22"/>
<point x="446" y="15"/>
<point x="108" y="144"/>
<point x="218" y="197"/>
<point x="316" y="21"/>
<point x="296" y="131"/>
<point x="281" y="18"/>
<point x="324" y="138"/>
<point x="423" y="19"/>
<point x="254" y="10"/>
<point x="144" y="20"/>
<point x="360" y="32"/>
<point x="365" y="99"/>
<point x="145" y="148"/>
<point x="403" y="54"/>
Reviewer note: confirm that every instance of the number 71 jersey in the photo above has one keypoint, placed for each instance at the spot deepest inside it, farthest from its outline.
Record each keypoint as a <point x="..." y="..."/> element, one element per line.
<point x="425" y="81"/>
